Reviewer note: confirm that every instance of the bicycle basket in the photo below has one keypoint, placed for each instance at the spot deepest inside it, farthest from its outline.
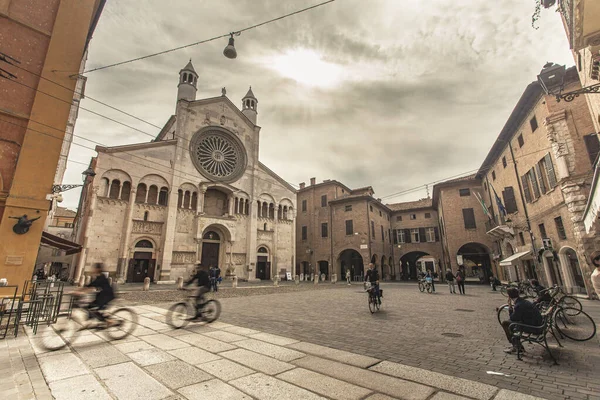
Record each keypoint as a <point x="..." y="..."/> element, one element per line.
<point x="367" y="286"/>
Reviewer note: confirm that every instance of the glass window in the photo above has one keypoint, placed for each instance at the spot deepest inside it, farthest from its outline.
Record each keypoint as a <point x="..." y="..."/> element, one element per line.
<point x="414" y="235"/>
<point x="413" y="216"/>
<point x="399" y="218"/>
<point x="349" y="227"/>
<point x="324" y="200"/>
<point x="504" y="164"/>
<point x="469" y="218"/>
<point x="427" y="215"/>
<point x="373" y="229"/>
<point x="324" y="230"/>
<point x="464" y="192"/>
<point x="348" y="208"/>
<point x="533" y="123"/>
<point x="520" y="140"/>
<point x="543" y="231"/>
<point x="304" y="233"/>
<point x="560" y="228"/>
<point x="521" y="239"/>
<point x="430" y="234"/>
<point x="303" y="205"/>
<point x="401" y="238"/>
<point x="493" y="175"/>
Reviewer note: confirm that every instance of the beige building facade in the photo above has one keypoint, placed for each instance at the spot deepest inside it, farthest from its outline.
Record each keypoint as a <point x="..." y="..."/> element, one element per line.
<point x="196" y="194"/>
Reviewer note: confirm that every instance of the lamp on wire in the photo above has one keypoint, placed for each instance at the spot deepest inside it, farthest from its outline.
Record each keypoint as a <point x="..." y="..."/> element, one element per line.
<point x="229" y="50"/>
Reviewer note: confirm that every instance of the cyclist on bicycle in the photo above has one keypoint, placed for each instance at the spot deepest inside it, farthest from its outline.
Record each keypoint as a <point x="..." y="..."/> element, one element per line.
<point x="104" y="294"/>
<point x="542" y="293"/>
<point x="204" y="284"/>
<point x="372" y="276"/>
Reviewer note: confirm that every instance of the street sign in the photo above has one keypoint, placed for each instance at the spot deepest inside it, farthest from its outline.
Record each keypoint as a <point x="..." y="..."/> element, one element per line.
<point x="459" y="259"/>
<point x="364" y="246"/>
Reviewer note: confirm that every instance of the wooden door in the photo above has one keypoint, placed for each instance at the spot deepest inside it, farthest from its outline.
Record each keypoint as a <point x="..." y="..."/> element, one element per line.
<point x="210" y="254"/>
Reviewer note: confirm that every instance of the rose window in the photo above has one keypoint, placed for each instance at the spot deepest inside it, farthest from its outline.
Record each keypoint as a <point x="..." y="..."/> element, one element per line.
<point x="218" y="155"/>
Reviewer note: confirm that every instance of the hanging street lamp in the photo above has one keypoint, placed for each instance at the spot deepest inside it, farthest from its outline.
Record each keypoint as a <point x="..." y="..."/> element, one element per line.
<point x="551" y="79"/>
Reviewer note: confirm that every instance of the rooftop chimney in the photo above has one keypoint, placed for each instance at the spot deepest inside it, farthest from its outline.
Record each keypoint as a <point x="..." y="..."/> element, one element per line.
<point x="312" y="181"/>
<point x="302" y="185"/>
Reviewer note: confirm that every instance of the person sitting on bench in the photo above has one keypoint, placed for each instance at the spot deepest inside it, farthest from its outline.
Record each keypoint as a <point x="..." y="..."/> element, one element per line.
<point x="523" y="312"/>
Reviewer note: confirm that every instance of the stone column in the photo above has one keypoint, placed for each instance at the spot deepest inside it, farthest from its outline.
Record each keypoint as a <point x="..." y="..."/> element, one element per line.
<point x="200" y="206"/>
<point x="251" y="241"/>
<point x="274" y="260"/>
<point x="230" y="205"/>
<point x="125" y="239"/>
<point x="88" y="225"/>
<point x="292" y="216"/>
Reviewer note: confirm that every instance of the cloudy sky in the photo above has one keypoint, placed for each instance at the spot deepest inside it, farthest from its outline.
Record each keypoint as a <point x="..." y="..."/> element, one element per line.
<point x="388" y="93"/>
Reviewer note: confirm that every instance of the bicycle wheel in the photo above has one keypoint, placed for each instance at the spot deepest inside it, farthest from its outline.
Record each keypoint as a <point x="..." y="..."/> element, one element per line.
<point x="421" y="287"/>
<point x="572" y="304"/>
<point x="211" y="311"/>
<point x="371" y="303"/>
<point x="124" y="320"/>
<point x="179" y="315"/>
<point x="574" y="324"/>
<point x="503" y="291"/>
<point x="503" y="314"/>
<point x="64" y="331"/>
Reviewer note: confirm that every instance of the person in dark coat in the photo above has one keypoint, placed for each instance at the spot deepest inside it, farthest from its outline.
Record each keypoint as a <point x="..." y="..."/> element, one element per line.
<point x="104" y="293"/>
<point x="460" y="280"/>
<point x="450" y="280"/>
<point x="203" y="282"/>
<point x="521" y="311"/>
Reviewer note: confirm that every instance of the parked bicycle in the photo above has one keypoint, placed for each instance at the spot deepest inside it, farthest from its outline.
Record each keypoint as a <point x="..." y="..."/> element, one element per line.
<point x="374" y="302"/>
<point x="425" y="285"/>
<point x="182" y="313"/>
<point x="525" y="288"/>
<point x="118" y="323"/>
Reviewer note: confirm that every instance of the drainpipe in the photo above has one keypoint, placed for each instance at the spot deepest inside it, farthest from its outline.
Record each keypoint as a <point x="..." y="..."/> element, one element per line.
<point x="533" y="249"/>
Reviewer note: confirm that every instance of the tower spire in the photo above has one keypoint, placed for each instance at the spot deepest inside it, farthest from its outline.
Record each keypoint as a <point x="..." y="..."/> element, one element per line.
<point x="188" y="80"/>
<point x="250" y="106"/>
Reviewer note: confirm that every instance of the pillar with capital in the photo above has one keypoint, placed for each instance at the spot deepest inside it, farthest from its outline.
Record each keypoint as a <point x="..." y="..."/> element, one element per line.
<point x="122" y="263"/>
<point x="83" y="255"/>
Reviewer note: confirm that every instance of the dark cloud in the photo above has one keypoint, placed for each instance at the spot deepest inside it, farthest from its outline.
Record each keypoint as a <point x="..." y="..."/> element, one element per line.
<point x="425" y="86"/>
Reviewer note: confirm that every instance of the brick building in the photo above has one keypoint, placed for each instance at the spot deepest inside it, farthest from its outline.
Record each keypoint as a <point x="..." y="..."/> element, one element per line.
<point x="541" y="167"/>
<point x="338" y="228"/>
<point x="44" y="37"/>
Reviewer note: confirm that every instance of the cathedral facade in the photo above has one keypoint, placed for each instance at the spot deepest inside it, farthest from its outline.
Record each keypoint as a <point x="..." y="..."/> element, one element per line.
<point x="197" y="193"/>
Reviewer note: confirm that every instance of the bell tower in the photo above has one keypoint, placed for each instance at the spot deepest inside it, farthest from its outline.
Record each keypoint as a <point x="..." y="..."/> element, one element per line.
<point x="250" y="105"/>
<point x="188" y="79"/>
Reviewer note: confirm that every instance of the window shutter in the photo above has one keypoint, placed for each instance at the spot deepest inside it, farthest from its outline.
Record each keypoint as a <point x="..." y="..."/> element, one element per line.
<point x="593" y="146"/>
<point x="395" y="236"/>
<point x="550" y="171"/>
<point x="469" y="218"/>
<point x="422" y="235"/>
<point x="407" y="237"/>
<point x="534" y="183"/>
<point x="437" y="234"/>
<point x="526" y="188"/>
<point x="510" y="202"/>
<point x="540" y="175"/>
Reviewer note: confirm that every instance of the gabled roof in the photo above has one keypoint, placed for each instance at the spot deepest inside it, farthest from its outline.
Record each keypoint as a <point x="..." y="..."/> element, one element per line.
<point x="166" y="128"/>
<point x="411" y="205"/>
<point x="189" y="67"/>
<point x="355" y="197"/>
<point x="277" y="177"/>
<point x="250" y="94"/>
<point x="226" y="100"/>
<point x="136" y="146"/>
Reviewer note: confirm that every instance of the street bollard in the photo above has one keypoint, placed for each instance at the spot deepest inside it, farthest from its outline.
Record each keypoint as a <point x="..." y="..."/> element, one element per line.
<point x="234" y="283"/>
<point x="276" y="281"/>
<point x="333" y="278"/>
<point x="88" y="279"/>
<point x="316" y="279"/>
<point x="180" y="283"/>
<point x="81" y="281"/>
<point x="146" y="284"/>
<point x="297" y="280"/>
<point x="322" y="277"/>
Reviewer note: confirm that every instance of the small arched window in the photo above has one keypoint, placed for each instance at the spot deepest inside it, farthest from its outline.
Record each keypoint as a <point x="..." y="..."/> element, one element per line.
<point x="115" y="188"/>
<point x="271" y="211"/>
<point x="285" y="212"/>
<point x="194" y="201"/>
<point x="265" y="226"/>
<point x="211" y="235"/>
<point x="186" y="199"/>
<point x="247" y="207"/>
<point x="146" y="215"/>
<point x="140" y="195"/>
<point x="105" y="186"/>
<point x="163" y="196"/>
<point x="152" y="194"/>
<point x="179" y="198"/>
<point x="126" y="191"/>
<point x="262" y="250"/>
<point x="279" y="212"/>
<point x="184" y="77"/>
<point x="144" y="244"/>
<point x="259" y="209"/>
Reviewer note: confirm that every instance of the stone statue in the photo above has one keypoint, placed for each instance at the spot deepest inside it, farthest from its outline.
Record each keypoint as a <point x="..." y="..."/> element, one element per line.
<point x="223" y="92"/>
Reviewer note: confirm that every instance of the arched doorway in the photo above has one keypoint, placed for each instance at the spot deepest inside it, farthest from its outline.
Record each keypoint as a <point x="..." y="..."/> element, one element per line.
<point x="305" y="270"/>
<point x="263" y="266"/>
<point x="351" y="259"/>
<point x="477" y="262"/>
<point x="570" y="262"/>
<point x="391" y="271"/>
<point x="142" y="264"/>
<point x="410" y="263"/>
<point x="211" y="246"/>
<point x="324" y="269"/>
<point x="382" y="270"/>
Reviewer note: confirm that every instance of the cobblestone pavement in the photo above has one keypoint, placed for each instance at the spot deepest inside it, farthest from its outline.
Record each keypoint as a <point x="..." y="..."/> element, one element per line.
<point x="224" y="361"/>
<point x="411" y="328"/>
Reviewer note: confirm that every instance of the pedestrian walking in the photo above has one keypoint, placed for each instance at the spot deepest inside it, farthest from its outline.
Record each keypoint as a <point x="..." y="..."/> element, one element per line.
<point x="450" y="279"/>
<point x="429" y="278"/>
<point x="460" y="280"/>
<point x="596" y="274"/>
<point x="348" y="276"/>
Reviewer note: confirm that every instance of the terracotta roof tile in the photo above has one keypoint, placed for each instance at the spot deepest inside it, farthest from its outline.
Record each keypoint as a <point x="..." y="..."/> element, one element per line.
<point x="409" y="205"/>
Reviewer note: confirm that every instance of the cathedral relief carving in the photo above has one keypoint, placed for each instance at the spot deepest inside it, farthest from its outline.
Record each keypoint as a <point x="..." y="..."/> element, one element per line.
<point x="239" y="258"/>
<point x="183" y="257"/>
<point x="152" y="228"/>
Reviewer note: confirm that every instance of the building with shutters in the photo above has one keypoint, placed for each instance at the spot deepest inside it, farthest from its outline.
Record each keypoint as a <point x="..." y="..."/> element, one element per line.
<point x="540" y="169"/>
<point x="197" y="193"/>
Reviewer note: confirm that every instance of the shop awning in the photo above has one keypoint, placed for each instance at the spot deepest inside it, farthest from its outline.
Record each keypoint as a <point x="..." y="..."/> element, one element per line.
<point x="60" y="243"/>
<point x="515" y="257"/>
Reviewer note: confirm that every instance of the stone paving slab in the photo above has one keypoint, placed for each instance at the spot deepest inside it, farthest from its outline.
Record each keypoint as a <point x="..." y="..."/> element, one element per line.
<point x="213" y="390"/>
<point x="324" y="385"/>
<point x="225" y="336"/>
<point x="206" y="343"/>
<point x="273" y="339"/>
<point x="225" y="370"/>
<point x="379" y="396"/>
<point x="128" y="381"/>
<point x="372" y="380"/>
<point x="70" y="366"/>
<point x="510" y="395"/>
<point x="149" y="357"/>
<point x="240" y="330"/>
<point x="131" y="347"/>
<point x="448" y="396"/>
<point x="164" y="342"/>
<point x="83" y="387"/>
<point x="459" y="386"/>
<point x="258" y="362"/>
<point x="176" y="374"/>
<point x="277" y="352"/>
<point x="264" y="387"/>
<point x="194" y="355"/>
<point x="337" y="355"/>
<point x="101" y="355"/>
